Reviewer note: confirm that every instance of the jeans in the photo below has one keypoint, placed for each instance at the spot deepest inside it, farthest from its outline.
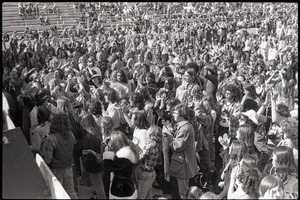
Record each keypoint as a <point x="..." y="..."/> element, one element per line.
<point x="97" y="184"/>
<point x="65" y="177"/>
<point x="146" y="180"/>
<point x="179" y="186"/>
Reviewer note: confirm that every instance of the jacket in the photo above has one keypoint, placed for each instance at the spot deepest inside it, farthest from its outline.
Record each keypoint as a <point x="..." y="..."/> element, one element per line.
<point x="183" y="159"/>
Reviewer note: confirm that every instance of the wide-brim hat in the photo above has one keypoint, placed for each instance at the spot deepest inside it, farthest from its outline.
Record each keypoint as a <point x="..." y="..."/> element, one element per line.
<point x="252" y="115"/>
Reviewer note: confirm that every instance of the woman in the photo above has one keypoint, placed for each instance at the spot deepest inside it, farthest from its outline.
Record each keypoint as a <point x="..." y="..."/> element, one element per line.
<point x="148" y="160"/>
<point x="141" y="125"/>
<point x="271" y="187"/>
<point x="183" y="164"/>
<point x="236" y="151"/>
<point x="123" y="158"/>
<point x="93" y="153"/>
<point x="284" y="167"/>
<point x="230" y="110"/>
<point x="57" y="152"/>
<point x="250" y="93"/>
<point x="121" y="84"/>
<point x="247" y="181"/>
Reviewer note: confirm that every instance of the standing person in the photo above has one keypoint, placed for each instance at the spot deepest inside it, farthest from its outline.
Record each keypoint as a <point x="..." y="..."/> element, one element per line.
<point x="57" y="152"/>
<point x="148" y="160"/>
<point x="93" y="153"/>
<point x="183" y="164"/>
<point x="123" y="157"/>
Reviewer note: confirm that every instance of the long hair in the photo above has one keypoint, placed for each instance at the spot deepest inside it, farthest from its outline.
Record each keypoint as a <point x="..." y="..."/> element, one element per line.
<point x="252" y="91"/>
<point x="137" y="100"/>
<point x="141" y="120"/>
<point x="111" y="95"/>
<point x="249" y="179"/>
<point x="155" y="135"/>
<point x="107" y="125"/>
<point x="89" y="124"/>
<point x="183" y="111"/>
<point x="246" y="134"/>
<point x="60" y="124"/>
<point x="43" y="114"/>
<point x="64" y="105"/>
<point x="290" y="128"/>
<point x="283" y="162"/>
<point x="238" y="149"/>
<point x="236" y="93"/>
<point x="269" y="182"/>
<point x="124" y="77"/>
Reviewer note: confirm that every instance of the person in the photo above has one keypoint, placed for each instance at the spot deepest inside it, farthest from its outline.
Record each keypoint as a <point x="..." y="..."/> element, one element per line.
<point x="93" y="153"/>
<point x="289" y="128"/>
<point x="183" y="165"/>
<point x="209" y="195"/>
<point x="123" y="156"/>
<point x="284" y="167"/>
<point x="148" y="160"/>
<point x="247" y="181"/>
<point x="194" y="193"/>
<point x="42" y="130"/>
<point x="57" y="152"/>
<point x="193" y="91"/>
<point x="236" y="150"/>
<point x="271" y="187"/>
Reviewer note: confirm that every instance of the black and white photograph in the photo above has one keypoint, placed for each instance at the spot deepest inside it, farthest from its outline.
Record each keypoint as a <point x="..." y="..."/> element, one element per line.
<point x="150" y="100"/>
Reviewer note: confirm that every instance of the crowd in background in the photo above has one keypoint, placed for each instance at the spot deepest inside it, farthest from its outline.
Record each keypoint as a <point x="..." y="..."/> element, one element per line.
<point x="206" y="109"/>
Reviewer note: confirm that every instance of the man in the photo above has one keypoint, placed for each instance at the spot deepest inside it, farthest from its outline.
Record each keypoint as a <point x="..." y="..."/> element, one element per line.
<point x="183" y="164"/>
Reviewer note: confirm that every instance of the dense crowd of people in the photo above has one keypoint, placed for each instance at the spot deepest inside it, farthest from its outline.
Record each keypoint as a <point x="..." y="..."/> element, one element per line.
<point x="206" y="109"/>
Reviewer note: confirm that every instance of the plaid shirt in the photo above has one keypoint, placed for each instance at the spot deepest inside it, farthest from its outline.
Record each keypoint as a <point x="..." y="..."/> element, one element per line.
<point x="192" y="94"/>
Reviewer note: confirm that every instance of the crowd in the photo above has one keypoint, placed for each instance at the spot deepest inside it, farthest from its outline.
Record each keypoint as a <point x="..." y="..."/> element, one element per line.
<point x="202" y="110"/>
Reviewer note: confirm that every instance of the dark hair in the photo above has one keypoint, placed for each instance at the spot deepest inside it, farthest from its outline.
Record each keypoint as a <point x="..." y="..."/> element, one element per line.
<point x="124" y="77"/>
<point x="95" y="106"/>
<point x="60" y="124"/>
<point x="111" y="95"/>
<point x="170" y="81"/>
<point x="137" y="100"/>
<point x="250" y="180"/>
<point x="283" y="110"/>
<point x="141" y="119"/>
<point x="43" y="114"/>
<point x="183" y="111"/>
<point x="252" y="92"/>
<point x="236" y="93"/>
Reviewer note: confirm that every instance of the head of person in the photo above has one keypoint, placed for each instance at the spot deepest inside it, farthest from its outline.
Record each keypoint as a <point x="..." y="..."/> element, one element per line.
<point x="60" y="124"/>
<point x="271" y="187"/>
<point x="171" y="103"/>
<point x="140" y="121"/>
<point x="194" y="193"/>
<point x="154" y="134"/>
<point x="248" y="180"/>
<point x="121" y="76"/>
<point x="94" y="107"/>
<point x="88" y="122"/>
<point x="245" y="133"/>
<point x="289" y="128"/>
<point x="249" y="160"/>
<point x="169" y="83"/>
<point x="283" y="110"/>
<point x="136" y="99"/>
<point x="283" y="162"/>
<point x="181" y="112"/>
<point x="249" y="90"/>
<point x="236" y="150"/>
<point x="232" y="93"/>
<point x="64" y="104"/>
<point x="110" y="95"/>
<point x="150" y="78"/>
<point x="107" y="125"/>
<point x="189" y="75"/>
<point x="43" y="114"/>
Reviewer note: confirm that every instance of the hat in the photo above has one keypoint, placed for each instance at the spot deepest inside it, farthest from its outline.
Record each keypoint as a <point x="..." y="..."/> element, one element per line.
<point x="252" y="115"/>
